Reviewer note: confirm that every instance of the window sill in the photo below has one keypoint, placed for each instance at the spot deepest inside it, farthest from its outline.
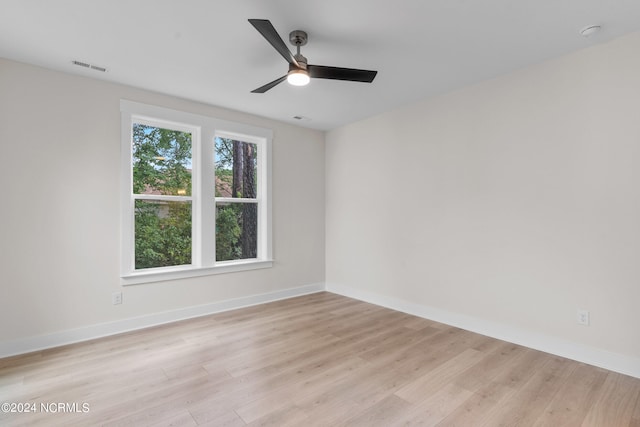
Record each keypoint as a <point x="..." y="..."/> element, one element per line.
<point x="183" y="272"/>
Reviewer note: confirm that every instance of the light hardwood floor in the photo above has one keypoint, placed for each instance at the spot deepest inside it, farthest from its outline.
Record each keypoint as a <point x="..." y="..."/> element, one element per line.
<point x="317" y="360"/>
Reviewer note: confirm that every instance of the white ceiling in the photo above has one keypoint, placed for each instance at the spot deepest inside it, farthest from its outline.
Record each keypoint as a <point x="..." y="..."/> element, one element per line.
<point x="205" y="50"/>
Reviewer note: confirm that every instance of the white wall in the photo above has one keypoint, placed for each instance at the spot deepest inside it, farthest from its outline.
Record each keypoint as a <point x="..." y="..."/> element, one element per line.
<point x="508" y="204"/>
<point x="60" y="213"/>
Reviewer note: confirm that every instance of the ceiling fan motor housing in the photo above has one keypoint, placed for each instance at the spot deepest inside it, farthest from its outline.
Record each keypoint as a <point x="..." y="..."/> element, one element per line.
<point x="298" y="38"/>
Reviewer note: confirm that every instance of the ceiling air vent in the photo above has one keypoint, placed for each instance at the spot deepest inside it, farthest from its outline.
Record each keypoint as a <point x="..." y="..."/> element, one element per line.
<point x="85" y="65"/>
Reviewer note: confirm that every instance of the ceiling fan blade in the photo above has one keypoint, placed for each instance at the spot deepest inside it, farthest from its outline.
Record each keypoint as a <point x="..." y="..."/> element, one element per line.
<point x="337" y="73"/>
<point x="263" y="89"/>
<point x="265" y="28"/>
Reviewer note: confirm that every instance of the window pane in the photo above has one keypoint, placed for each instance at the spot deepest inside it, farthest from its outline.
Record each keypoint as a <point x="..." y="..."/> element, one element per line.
<point x="236" y="168"/>
<point x="162" y="233"/>
<point x="161" y="161"/>
<point x="236" y="231"/>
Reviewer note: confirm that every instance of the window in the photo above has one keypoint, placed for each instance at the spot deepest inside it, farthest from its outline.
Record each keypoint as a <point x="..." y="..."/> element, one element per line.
<point x="195" y="195"/>
<point x="236" y="199"/>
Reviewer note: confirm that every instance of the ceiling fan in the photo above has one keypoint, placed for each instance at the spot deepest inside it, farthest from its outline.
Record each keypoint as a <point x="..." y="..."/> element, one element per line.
<point x="299" y="71"/>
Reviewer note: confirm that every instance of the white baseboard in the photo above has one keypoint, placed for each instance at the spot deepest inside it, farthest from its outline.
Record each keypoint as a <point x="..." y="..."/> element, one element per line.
<point x="56" y="339"/>
<point x="593" y="356"/>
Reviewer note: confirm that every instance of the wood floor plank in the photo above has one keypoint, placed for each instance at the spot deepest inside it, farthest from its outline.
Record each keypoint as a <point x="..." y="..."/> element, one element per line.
<point x="481" y="407"/>
<point x="492" y="364"/>
<point x="574" y="398"/>
<point x="285" y="395"/>
<point x="616" y="402"/>
<point x="316" y="360"/>
<point x="435" y="379"/>
<point x="635" y="420"/>
<point x="531" y="398"/>
<point x="181" y="419"/>
<point x="365" y="389"/>
<point x="521" y="368"/>
<point x="227" y="419"/>
<point x="434" y="408"/>
<point x="288" y="416"/>
<point x="382" y="414"/>
<point x="636" y="412"/>
<point x="168" y="401"/>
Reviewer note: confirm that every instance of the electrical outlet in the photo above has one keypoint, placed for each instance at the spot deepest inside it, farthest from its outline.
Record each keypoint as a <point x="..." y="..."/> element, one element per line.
<point x="583" y="317"/>
<point x="116" y="298"/>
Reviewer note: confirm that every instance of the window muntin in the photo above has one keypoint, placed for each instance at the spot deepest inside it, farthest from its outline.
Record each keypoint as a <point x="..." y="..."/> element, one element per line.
<point x="184" y="215"/>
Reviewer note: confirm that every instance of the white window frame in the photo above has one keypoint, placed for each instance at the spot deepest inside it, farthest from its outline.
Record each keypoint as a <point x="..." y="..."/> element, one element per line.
<point x="204" y="130"/>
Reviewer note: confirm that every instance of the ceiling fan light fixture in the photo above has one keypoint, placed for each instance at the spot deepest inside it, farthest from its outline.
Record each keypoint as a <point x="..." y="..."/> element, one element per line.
<point x="298" y="77"/>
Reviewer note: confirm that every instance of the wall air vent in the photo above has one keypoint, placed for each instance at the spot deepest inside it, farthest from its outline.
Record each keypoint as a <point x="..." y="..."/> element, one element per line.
<point x="91" y="66"/>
